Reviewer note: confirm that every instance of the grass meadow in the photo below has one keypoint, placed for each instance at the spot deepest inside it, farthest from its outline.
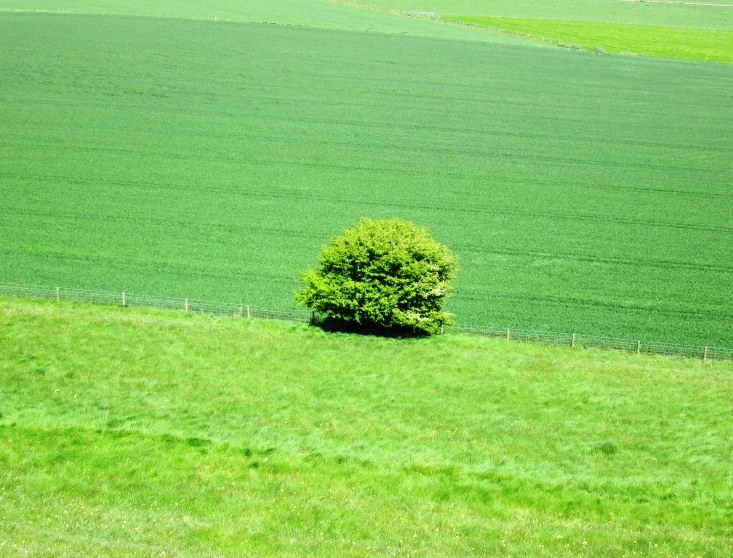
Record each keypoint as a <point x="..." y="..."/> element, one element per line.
<point x="685" y="30"/>
<point x="138" y="432"/>
<point x="709" y="45"/>
<point x="706" y="14"/>
<point x="211" y="160"/>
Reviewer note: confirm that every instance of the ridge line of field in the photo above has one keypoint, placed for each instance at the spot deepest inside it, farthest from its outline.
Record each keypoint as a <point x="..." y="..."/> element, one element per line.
<point x="146" y="16"/>
<point x="438" y="19"/>
<point x="217" y="19"/>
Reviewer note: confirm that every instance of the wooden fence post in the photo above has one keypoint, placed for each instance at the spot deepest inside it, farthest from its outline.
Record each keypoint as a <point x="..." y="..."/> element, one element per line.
<point x="508" y="335"/>
<point x="638" y="347"/>
<point x="705" y="354"/>
<point x="185" y="305"/>
<point x="572" y="341"/>
<point x="249" y="315"/>
<point x="58" y="293"/>
<point x="124" y="302"/>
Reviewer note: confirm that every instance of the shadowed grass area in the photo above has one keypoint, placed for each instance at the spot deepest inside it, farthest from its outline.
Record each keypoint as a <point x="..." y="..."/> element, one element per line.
<point x="708" y="45"/>
<point x="130" y="432"/>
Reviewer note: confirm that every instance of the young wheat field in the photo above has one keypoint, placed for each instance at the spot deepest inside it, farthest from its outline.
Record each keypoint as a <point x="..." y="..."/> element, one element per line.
<point x="207" y="150"/>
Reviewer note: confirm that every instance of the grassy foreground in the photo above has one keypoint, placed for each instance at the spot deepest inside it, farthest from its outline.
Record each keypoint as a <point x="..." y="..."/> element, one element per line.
<point x="135" y="433"/>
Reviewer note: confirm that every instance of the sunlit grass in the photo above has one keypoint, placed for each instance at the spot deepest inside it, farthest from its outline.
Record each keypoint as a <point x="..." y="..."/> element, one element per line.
<point x="136" y="432"/>
<point x="709" y="45"/>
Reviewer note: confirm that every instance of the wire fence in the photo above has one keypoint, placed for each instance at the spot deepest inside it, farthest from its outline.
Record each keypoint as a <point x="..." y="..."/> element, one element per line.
<point x="301" y="315"/>
<point x="148" y="301"/>
<point x="599" y="342"/>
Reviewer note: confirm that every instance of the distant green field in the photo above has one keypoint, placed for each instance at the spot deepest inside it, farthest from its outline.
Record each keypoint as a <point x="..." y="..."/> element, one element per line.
<point x="680" y="14"/>
<point x="688" y="31"/>
<point x="709" y="45"/>
<point x="309" y="13"/>
<point x="136" y="433"/>
<point x="211" y="160"/>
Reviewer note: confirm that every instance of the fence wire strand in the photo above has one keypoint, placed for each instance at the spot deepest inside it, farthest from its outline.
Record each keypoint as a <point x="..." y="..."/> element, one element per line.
<point x="302" y="315"/>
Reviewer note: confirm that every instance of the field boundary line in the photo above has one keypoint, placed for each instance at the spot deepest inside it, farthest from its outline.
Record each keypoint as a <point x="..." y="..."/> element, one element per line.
<point x="149" y="16"/>
<point x="438" y="19"/>
<point x="242" y="20"/>
<point x="242" y="310"/>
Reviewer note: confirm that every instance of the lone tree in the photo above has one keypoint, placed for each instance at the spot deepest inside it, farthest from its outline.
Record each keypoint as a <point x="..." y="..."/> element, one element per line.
<point x="385" y="273"/>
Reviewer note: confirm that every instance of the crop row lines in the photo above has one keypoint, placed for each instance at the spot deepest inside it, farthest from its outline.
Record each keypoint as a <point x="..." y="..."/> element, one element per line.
<point x="496" y="213"/>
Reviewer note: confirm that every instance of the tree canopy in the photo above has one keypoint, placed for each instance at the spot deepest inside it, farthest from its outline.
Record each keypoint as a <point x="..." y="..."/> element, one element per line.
<point x="388" y="273"/>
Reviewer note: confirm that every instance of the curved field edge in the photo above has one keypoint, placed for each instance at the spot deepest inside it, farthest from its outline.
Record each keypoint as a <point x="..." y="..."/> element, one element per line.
<point x="706" y="45"/>
<point x="128" y="431"/>
<point x="320" y="14"/>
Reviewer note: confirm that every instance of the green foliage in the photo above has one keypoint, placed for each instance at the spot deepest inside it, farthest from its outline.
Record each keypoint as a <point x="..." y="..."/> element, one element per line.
<point x="387" y="273"/>
<point x="295" y="442"/>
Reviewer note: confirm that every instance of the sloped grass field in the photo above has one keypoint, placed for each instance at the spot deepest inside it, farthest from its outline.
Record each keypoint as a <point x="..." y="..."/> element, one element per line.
<point x="709" y="45"/>
<point x="691" y="31"/>
<point x="309" y="13"/>
<point x="714" y="14"/>
<point x="211" y="160"/>
<point x="129" y="432"/>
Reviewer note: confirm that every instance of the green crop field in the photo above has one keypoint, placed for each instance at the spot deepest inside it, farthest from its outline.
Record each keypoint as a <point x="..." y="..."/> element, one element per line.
<point x="207" y="159"/>
<point x="319" y="14"/>
<point x="136" y="432"/>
